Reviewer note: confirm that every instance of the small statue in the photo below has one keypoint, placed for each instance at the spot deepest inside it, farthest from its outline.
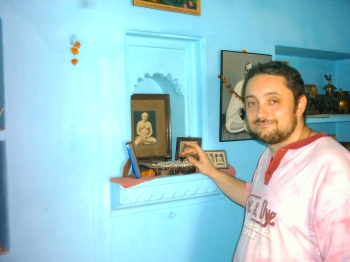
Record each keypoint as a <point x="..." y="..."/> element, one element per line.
<point x="329" y="87"/>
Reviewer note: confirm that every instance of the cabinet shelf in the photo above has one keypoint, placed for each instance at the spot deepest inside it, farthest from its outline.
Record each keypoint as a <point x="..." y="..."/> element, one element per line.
<point x="338" y="125"/>
<point x="327" y="118"/>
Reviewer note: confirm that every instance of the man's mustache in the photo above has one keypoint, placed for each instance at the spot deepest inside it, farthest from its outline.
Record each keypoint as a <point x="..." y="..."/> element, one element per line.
<point x="264" y="121"/>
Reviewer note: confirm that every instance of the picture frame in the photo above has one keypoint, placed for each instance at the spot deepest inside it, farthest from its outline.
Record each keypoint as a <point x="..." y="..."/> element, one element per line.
<point x="191" y="7"/>
<point x="346" y="145"/>
<point x="151" y="125"/>
<point x="180" y="144"/>
<point x="218" y="158"/>
<point x="133" y="159"/>
<point x="234" y="66"/>
<point x="311" y="90"/>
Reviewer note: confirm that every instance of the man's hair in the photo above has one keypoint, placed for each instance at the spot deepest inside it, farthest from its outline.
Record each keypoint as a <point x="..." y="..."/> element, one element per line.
<point x="293" y="79"/>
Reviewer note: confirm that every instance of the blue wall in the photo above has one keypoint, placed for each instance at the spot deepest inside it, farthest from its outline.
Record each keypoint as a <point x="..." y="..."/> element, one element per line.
<point x="65" y="125"/>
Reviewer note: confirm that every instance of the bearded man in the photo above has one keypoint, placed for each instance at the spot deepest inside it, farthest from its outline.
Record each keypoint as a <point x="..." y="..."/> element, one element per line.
<point x="297" y="207"/>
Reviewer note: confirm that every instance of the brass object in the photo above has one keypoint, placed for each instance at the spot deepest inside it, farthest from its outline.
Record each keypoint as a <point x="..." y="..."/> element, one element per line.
<point x="329" y="87"/>
<point x="332" y="102"/>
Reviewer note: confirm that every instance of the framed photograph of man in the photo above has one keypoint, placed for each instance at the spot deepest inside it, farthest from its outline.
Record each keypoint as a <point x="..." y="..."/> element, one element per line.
<point x="180" y="144"/>
<point x="234" y="66"/>
<point x="217" y="157"/>
<point x="151" y="125"/>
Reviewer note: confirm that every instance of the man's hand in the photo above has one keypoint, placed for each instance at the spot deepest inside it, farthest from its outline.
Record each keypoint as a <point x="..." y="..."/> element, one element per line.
<point x="197" y="157"/>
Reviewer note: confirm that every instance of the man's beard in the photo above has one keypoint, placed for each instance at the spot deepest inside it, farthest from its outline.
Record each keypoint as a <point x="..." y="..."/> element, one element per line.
<point x="276" y="136"/>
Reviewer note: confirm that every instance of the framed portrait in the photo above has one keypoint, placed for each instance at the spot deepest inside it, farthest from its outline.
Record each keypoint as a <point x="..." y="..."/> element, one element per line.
<point x="218" y="158"/>
<point x="180" y="144"/>
<point x="311" y="90"/>
<point x="151" y="125"/>
<point x="191" y="7"/>
<point x="234" y="66"/>
<point x="346" y="145"/>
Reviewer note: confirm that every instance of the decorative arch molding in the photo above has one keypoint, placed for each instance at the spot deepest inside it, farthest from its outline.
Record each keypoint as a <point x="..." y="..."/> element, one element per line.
<point x="180" y="56"/>
<point x="183" y="57"/>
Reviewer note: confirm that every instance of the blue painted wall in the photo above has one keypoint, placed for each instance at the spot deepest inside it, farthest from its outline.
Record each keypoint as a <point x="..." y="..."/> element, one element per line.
<point x="65" y="127"/>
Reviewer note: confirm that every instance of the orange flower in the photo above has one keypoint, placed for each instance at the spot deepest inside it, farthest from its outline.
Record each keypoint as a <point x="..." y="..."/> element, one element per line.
<point x="75" y="50"/>
<point x="77" y="44"/>
<point x="75" y="61"/>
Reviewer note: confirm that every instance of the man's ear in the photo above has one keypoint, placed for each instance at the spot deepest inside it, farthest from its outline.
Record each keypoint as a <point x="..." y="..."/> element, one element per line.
<point x="302" y="103"/>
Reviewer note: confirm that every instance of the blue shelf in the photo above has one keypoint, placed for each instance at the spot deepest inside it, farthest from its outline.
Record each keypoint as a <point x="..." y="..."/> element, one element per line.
<point x="327" y="118"/>
<point x="338" y="125"/>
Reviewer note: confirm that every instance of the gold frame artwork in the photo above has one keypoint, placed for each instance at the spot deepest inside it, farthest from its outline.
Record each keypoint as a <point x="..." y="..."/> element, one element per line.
<point x="311" y="90"/>
<point x="157" y="109"/>
<point x="190" y="7"/>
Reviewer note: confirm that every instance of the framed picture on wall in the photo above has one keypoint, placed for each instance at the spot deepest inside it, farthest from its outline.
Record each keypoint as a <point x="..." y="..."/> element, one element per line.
<point x="191" y="7"/>
<point x="234" y="66"/>
<point x="151" y="125"/>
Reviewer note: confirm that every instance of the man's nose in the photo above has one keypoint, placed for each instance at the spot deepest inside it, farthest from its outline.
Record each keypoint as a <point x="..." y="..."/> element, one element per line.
<point x="262" y="112"/>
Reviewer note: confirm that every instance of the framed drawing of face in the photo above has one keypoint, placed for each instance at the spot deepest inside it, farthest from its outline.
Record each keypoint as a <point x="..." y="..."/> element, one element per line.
<point x="234" y="66"/>
<point x="151" y="128"/>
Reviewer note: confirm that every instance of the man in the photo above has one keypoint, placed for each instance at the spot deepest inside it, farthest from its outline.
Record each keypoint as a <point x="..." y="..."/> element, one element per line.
<point x="235" y="118"/>
<point x="144" y="131"/>
<point x="298" y="204"/>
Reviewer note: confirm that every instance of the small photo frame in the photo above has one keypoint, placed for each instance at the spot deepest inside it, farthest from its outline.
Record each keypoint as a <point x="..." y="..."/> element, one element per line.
<point x="311" y="90"/>
<point x="133" y="159"/>
<point x="218" y="158"/>
<point x="346" y="145"/>
<point x="191" y="7"/>
<point x="180" y="144"/>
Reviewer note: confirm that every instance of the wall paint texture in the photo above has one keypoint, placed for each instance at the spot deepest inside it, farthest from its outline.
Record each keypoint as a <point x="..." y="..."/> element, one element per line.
<point x="65" y="124"/>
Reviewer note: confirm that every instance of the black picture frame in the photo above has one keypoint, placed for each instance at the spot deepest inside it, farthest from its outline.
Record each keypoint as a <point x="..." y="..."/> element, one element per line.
<point x="232" y="114"/>
<point x="180" y="144"/>
<point x="157" y="107"/>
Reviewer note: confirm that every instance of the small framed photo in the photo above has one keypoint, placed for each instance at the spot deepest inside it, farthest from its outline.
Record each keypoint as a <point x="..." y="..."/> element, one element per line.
<point x="150" y="125"/>
<point x="180" y="144"/>
<point x="218" y="158"/>
<point x="346" y="145"/>
<point x="191" y="7"/>
<point x="311" y="90"/>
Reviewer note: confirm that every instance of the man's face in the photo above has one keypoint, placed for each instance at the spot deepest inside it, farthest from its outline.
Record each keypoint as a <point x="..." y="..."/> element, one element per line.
<point x="270" y="107"/>
<point x="144" y="117"/>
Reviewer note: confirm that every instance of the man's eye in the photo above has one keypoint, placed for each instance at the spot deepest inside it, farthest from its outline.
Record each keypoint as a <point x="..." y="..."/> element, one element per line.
<point x="274" y="101"/>
<point x="251" y="103"/>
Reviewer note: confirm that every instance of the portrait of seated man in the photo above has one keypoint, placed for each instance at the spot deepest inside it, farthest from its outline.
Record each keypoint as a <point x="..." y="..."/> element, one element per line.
<point x="144" y="131"/>
<point x="235" y="114"/>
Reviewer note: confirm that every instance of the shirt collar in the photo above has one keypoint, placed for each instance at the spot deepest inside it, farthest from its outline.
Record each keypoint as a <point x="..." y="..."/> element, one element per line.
<point x="275" y="162"/>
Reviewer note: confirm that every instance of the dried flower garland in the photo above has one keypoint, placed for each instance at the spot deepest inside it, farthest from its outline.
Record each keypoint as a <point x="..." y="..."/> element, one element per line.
<point x="75" y="51"/>
<point x="229" y="87"/>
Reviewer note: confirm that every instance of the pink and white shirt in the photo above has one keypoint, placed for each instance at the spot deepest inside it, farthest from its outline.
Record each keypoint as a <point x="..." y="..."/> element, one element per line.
<point x="298" y="208"/>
